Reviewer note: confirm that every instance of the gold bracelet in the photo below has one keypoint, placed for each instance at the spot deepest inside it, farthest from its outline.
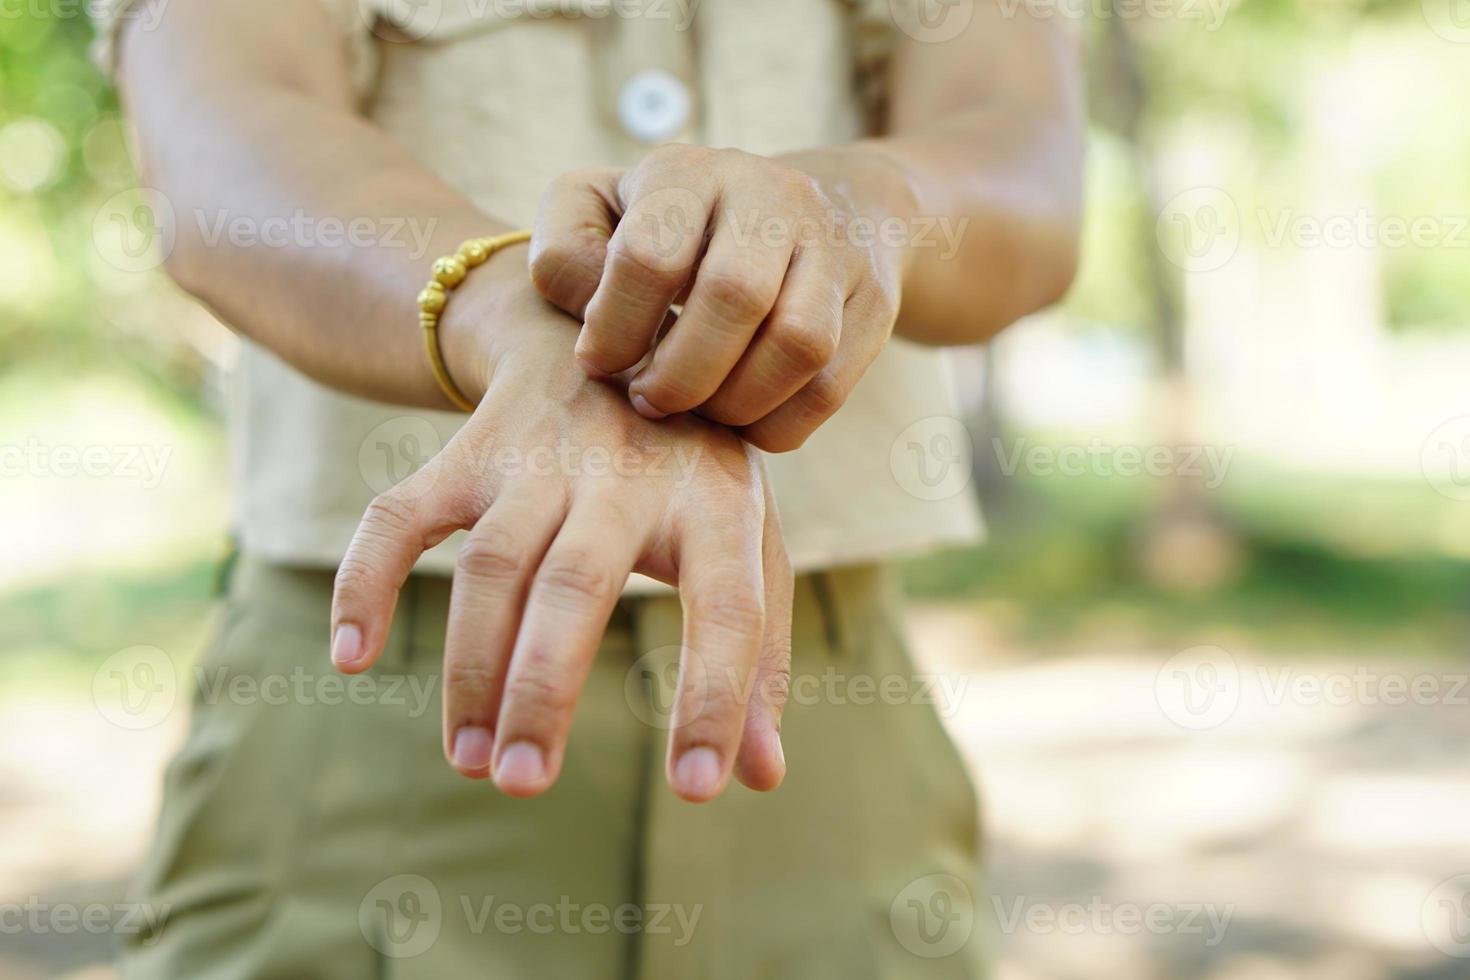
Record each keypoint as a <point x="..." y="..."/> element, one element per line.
<point x="449" y="272"/>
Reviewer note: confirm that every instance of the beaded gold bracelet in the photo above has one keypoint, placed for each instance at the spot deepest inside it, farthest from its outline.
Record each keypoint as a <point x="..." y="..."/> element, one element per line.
<point x="449" y="272"/>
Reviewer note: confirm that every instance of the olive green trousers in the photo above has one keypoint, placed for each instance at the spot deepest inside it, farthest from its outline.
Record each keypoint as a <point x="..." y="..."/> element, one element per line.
<point x="311" y="828"/>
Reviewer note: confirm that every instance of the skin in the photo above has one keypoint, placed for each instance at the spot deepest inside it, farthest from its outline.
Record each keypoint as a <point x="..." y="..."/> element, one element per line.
<point x="776" y="332"/>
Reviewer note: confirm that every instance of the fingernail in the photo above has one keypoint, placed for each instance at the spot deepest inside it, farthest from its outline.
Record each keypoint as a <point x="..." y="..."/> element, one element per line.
<point x="522" y="767"/>
<point x="347" y="645"/>
<point x="697" y="775"/>
<point x="472" y="748"/>
<point x="641" y="406"/>
<point x="781" y="753"/>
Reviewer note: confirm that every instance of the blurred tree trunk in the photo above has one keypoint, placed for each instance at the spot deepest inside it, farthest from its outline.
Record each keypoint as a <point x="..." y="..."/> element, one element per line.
<point x="1183" y="544"/>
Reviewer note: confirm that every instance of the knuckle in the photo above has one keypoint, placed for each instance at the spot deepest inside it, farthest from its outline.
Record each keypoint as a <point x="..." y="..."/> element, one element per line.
<point x="805" y="343"/>
<point x="652" y="258"/>
<point x="389" y="515"/>
<point x="573" y="577"/>
<point x="538" y="695"/>
<point x="569" y="266"/>
<point x="775" y="681"/>
<point x="467" y="678"/>
<point x="491" y="554"/>
<point x="823" y="396"/>
<point x="354" y="578"/>
<point x="737" y="294"/>
<point x="738" y="609"/>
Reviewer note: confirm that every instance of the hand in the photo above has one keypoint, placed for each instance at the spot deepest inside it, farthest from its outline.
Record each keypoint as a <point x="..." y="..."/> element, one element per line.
<point x="552" y="540"/>
<point x="788" y="294"/>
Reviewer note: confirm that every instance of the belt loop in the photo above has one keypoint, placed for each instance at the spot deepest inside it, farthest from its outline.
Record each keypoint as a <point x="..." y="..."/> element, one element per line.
<point x="829" y="608"/>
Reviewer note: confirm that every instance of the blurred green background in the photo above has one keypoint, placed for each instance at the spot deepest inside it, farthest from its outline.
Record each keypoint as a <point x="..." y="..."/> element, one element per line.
<point x="1243" y="292"/>
<point x="1323" y="528"/>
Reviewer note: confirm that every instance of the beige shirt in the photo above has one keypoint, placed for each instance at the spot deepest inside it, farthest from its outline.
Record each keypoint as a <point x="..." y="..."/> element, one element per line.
<point x="497" y="97"/>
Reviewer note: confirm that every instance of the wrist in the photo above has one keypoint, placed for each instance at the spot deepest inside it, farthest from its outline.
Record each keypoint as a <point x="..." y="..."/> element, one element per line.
<point x="869" y="182"/>
<point x="473" y="327"/>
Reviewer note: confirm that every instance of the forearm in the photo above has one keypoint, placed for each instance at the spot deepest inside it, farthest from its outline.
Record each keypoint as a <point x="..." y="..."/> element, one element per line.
<point x="979" y="174"/>
<point x="994" y="202"/>
<point x="267" y="175"/>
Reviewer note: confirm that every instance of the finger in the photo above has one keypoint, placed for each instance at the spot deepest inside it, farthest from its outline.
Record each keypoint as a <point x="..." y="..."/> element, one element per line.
<point x="651" y="256"/>
<point x="867" y="323"/>
<point x="571" y="600"/>
<point x="569" y="242"/>
<point x="491" y="577"/>
<point x="723" y="595"/>
<point x="798" y="339"/>
<point x="734" y="290"/>
<point x="398" y="527"/>
<point x="761" y="762"/>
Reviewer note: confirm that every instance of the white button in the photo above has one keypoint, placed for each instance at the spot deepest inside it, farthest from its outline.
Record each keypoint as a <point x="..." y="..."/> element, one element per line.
<point x="654" y="105"/>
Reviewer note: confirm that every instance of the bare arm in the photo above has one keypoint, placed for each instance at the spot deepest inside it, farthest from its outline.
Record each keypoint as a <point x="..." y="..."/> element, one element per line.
<point x="989" y="130"/>
<point x="245" y="117"/>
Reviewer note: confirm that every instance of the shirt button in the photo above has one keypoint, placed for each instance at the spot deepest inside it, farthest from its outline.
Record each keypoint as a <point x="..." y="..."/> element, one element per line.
<point x="654" y="105"/>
